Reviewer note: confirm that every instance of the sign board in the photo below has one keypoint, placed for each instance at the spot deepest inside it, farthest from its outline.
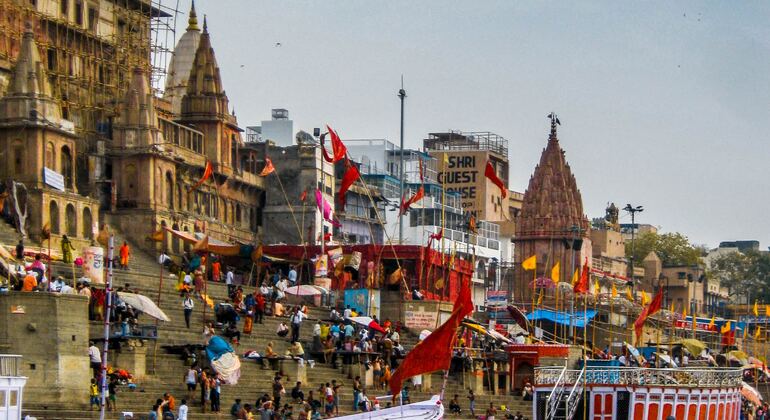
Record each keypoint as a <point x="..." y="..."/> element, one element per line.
<point x="497" y="298"/>
<point x="420" y="319"/>
<point x="363" y="300"/>
<point x="93" y="264"/>
<point x="53" y="179"/>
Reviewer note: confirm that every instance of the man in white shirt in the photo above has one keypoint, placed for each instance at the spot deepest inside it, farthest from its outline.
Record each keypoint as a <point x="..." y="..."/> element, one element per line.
<point x="182" y="414"/>
<point x="229" y="278"/>
<point x="347" y="312"/>
<point x="296" y="322"/>
<point x="95" y="357"/>
<point x="292" y="276"/>
<point x="163" y="259"/>
<point x="317" y="336"/>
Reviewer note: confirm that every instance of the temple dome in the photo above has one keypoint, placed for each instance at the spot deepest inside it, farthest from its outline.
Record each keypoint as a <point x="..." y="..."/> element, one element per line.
<point x="181" y="63"/>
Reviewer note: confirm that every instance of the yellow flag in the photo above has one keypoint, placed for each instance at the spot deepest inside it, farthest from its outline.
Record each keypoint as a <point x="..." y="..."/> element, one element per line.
<point x="555" y="273"/>
<point x="530" y="263"/>
<point x="756" y="308"/>
<point x="711" y="323"/>
<point x="726" y="327"/>
<point x="645" y="298"/>
<point x="757" y="332"/>
<point x="629" y="295"/>
<point x="614" y="290"/>
<point x="576" y="276"/>
<point x="684" y="312"/>
<point x="597" y="289"/>
<point x="540" y="299"/>
<point x="446" y="159"/>
<point x="745" y="331"/>
<point x="672" y="307"/>
<point x="767" y="310"/>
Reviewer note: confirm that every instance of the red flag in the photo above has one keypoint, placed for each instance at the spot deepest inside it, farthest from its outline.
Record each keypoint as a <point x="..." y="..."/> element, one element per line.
<point x="405" y="205"/>
<point x="303" y="196"/>
<point x="206" y="175"/>
<point x="582" y="285"/>
<point x="437" y="236"/>
<point x="338" y="148"/>
<point x="350" y="177"/>
<point x="654" y="306"/>
<point x="490" y="173"/>
<point x="422" y="174"/>
<point x="268" y="169"/>
<point x="435" y="352"/>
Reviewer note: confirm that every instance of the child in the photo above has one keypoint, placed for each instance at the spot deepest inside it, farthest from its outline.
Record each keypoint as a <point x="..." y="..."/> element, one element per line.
<point x="94" y="394"/>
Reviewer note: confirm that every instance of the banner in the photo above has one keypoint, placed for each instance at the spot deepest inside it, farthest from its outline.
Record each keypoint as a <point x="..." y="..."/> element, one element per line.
<point x="420" y="320"/>
<point x="497" y="298"/>
<point x="93" y="264"/>
<point x="321" y="266"/>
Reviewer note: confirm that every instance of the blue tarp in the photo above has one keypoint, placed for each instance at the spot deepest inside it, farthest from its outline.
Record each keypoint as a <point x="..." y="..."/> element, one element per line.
<point x="217" y="347"/>
<point x="578" y="318"/>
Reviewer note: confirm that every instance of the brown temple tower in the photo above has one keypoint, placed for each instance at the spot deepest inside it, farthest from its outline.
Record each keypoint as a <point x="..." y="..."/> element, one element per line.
<point x="551" y="224"/>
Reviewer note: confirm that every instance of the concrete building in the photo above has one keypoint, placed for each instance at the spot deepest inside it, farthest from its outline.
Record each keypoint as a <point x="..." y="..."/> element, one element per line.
<point x="278" y="130"/>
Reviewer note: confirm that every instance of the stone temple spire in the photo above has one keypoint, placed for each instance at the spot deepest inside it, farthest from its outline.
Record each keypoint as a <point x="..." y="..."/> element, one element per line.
<point x="204" y="95"/>
<point x="192" y="21"/>
<point x="552" y="201"/>
<point x="29" y="92"/>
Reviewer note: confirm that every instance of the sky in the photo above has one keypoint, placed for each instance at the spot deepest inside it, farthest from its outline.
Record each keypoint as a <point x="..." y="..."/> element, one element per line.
<point x="662" y="104"/>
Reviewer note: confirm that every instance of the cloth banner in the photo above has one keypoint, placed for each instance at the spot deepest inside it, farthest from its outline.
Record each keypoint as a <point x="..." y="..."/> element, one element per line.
<point x="93" y="264"/>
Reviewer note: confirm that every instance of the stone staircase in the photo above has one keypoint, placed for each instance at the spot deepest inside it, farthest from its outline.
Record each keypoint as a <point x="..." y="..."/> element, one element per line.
<point x="166" y="371"/>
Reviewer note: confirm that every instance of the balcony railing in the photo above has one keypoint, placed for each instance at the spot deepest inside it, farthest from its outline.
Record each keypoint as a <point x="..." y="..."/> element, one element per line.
<point x="697" y="377"/>
<point x="9" y="364"/>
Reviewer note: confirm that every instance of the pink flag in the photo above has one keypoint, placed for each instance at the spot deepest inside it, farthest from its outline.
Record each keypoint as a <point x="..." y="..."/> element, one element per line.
<point x="325" y="208"/>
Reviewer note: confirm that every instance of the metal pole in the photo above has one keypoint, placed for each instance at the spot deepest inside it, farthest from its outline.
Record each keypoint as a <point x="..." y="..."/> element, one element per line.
<point x="574" y="229"/>
<point x="633" y="249"/>
<point x="108" y="314"/>
<point x="401" y="95"/>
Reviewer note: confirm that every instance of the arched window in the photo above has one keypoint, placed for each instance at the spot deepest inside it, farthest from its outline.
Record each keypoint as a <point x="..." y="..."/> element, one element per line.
<point x="71" y="221"/>
<point x="158" y="185"/>
<point x="88" y="229"/>
<point x="169" y="190"/>
<point x="179" y="197"/>
<point x="53" y="217"/>
<point x="50" y="156"/>
<point x="18" y="157"/>
<point x="238" y="214"/>
<point x="67" y="170"/>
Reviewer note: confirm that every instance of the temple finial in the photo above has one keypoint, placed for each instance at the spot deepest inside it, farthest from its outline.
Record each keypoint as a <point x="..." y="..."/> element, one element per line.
<point x="554" y="121"/>
<point x="192" y="22"/>
<point x="205" y="25"/>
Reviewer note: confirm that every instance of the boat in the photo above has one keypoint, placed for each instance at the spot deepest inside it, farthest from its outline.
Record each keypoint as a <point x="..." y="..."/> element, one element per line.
<point x="611" y="392"/>
<point x="430" y="409"/>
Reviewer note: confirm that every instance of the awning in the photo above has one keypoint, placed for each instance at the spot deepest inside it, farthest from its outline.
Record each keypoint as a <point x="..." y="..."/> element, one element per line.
<point x="578" y="319"/>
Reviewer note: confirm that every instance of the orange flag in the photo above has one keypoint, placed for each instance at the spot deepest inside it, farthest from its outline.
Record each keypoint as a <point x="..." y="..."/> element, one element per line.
<point x="654" y="306"/>
<point x="338" y="147"/>
<point x="202" y="245"/>
<point x="206" y="175"/>
<point x="405" y="205"/>
<point x="582" y="285"/>
<point x="435" y="352"/>
<point x="268" y="169"/>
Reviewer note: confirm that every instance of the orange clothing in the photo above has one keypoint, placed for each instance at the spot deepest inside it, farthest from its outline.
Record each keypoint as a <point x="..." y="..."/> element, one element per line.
<point x="124" y="253"/>
<point x="30" y="283"/>
<point x="216" y="270"/>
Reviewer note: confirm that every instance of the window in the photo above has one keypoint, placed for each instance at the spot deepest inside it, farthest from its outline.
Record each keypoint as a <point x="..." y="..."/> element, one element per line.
<point x="681" y="275"/>
<point x="51" y="54"/>
<point x="92" y="19"/>
<point x="78" y="12"/>
<point x="66" y="167"/>
<point x="53" y="217"/>
<point x="50" y="156"/>
<point x="169" y="190"/>
<point x="64" y="6"/>
<point x="71" y="221"/>
<point x="88" y="231"/>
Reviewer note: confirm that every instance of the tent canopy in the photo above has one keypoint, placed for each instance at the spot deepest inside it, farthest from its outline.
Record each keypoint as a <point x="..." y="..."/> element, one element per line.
<point x="578" y="319"/>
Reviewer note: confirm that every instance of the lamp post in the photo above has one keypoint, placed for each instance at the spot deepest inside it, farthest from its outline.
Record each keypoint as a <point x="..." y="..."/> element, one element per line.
<point x="633" y="210"/>
<point x="402" y="96"/>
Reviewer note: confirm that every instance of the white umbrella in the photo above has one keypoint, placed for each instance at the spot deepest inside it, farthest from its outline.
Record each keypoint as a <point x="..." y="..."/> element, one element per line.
<point x="303" y="290"/>
<point x="144" y="304"/>
<point x="367" y="322"/>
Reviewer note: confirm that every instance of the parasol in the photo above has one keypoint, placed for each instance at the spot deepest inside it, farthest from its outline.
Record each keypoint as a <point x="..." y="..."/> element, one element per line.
<point x="751" y="394"/>
<point x="634" y="352"/>
<point x="304" y="290"/>
<point x="424" y="334"/>
<point x="695" y="347"/>
<point x="368" y="322"/>
<point x="144" y="304"/>
<point x="666" y="359"/>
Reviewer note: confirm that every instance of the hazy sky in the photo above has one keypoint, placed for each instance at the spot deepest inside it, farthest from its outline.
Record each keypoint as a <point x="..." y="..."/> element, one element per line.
<point x="662" y="104"/>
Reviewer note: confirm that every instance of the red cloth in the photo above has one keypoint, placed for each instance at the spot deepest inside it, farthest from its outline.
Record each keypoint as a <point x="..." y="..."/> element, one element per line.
<point x="350" y="177"/>
<point x="268" y="169"/>
<point x="490" y="173"/>
<point x="582" y="285"/>
<point x="648" y="310"/>
<point x="206" y="175"/>
<point x="405" y="205"/>
<point x="435" y="352"/>
<point x="338" y="147"/>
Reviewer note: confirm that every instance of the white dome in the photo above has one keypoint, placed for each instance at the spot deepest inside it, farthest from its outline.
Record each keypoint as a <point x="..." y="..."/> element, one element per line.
<point x="181" y="63"/>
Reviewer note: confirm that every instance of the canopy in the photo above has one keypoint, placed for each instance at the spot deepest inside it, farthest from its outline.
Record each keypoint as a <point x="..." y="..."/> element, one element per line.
<point x="751" y="394"/>
<point x="367" y="322"/>
<point x="305" y="290"/>
<point x="144" y="304"/>
<point x="695" y="347"/>
<point x="578" y="319"/>
<point x="213" y="245"/>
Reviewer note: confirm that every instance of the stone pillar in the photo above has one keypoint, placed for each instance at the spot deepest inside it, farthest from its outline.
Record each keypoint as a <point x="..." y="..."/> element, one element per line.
<point x="427" y="381"/>
<point x="132" y="358"/>
<point x="296" y="369"/>
<point x="474" y="379"/>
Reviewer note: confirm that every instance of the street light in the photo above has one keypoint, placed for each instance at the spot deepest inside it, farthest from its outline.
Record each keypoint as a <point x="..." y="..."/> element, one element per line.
<point x="633" y="210"/>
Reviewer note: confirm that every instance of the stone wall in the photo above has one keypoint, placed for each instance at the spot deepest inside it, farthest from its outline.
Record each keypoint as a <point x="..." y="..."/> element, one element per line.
<point x="50" y="331"/>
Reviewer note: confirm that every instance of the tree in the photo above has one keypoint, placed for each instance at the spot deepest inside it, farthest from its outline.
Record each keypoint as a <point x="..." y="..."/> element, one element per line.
<point x="672" y="248"/>
<point x="745" y="275"/>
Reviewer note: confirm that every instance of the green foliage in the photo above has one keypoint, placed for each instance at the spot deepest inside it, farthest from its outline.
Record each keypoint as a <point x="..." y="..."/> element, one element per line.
<point x="744" y="274"/>
<point x="671" y="248"/>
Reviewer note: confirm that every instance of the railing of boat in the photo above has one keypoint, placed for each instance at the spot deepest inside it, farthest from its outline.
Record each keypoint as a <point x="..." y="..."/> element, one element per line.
<point x="552" y="402"/>
<point x="697" y="377"/>
<point x="574" y="395"/>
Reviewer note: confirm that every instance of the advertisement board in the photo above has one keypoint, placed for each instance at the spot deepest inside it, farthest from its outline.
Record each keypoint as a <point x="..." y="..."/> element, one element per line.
<point x="93" y="264"/>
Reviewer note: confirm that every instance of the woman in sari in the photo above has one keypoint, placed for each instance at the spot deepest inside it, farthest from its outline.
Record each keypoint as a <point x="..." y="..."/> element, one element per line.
<point x="66" y="249"/>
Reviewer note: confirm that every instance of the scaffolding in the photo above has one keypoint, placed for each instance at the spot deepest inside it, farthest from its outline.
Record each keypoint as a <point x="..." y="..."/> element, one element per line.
<point x="89" y="50"/>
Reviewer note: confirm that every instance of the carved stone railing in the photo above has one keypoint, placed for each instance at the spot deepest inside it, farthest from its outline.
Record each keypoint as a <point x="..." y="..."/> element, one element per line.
<point x="696" y="377"/>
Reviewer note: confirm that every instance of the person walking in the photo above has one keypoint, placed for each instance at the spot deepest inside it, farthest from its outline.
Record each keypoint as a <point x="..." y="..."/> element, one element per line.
<point x="95" y="357"/>
<point x="472" y="402"/>
<point x="182" y="413"/>
<point x="66" y="249"/>
<point x="125" y="253"/>
<point x="259" y="310"/>
<point x="296" y="322"/>
<point x="191" y="379"/>
<point x="215" y="385"/>
<point x="187" y="305"/>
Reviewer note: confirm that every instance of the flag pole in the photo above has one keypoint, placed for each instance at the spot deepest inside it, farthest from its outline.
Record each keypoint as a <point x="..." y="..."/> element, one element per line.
<point x="108" y="313"/>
